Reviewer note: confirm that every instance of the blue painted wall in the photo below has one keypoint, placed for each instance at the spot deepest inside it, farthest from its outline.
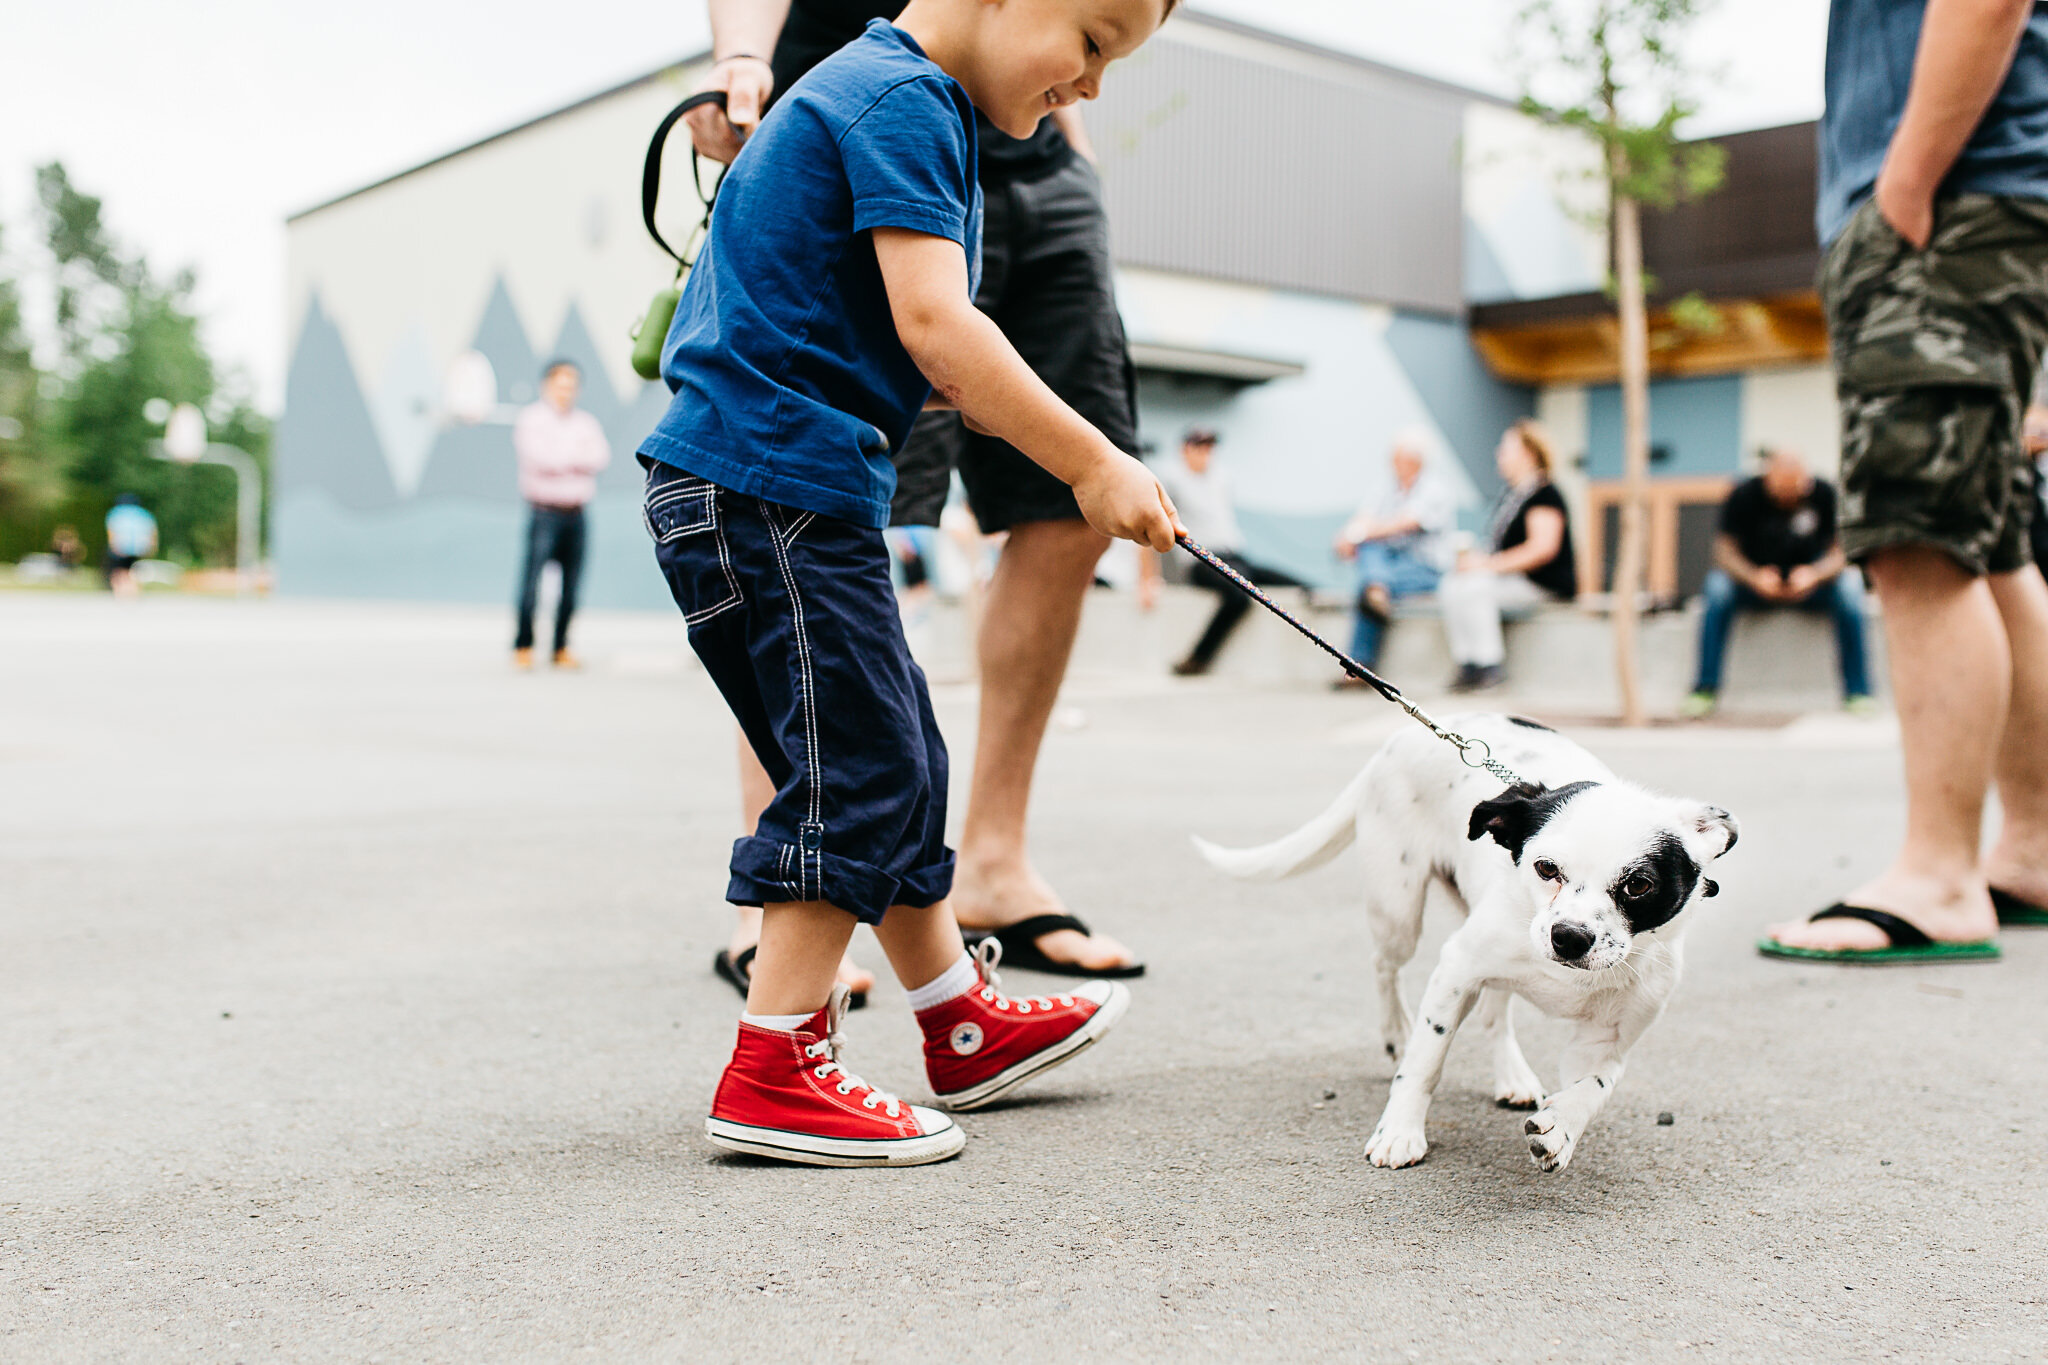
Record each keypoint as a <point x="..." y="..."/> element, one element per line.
<point x="1698" y="420"/>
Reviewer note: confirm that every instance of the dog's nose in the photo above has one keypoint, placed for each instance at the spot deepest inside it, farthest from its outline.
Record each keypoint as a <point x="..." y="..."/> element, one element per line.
<point x="1570" y="942"/>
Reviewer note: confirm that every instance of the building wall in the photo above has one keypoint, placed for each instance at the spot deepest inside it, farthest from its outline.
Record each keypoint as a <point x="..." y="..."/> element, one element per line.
<point x="1713" y="424"/>
<point x="1203" y="132"/>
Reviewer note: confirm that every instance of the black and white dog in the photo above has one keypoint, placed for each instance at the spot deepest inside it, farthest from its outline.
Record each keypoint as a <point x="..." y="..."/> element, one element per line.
<point x="1575" y="888"/>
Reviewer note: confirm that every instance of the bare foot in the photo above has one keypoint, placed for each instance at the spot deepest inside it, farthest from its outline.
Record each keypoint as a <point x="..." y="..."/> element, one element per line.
<point x="1946" y="912"/>
<point x="989" y="898"/>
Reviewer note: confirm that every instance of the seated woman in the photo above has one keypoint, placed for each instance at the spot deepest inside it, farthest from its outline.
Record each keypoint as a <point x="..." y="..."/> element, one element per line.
<point x="1400" y="542"/>
<point x="1530" y="560"/>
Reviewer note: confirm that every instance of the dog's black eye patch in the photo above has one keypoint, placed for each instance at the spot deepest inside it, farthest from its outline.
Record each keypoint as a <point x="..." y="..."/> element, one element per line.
<point x="1654" y="888"/>
<point x="1513" y="817"/>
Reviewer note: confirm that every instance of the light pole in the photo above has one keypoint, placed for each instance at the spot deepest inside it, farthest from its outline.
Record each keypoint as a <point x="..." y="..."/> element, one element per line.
<point x="185" y="442"/>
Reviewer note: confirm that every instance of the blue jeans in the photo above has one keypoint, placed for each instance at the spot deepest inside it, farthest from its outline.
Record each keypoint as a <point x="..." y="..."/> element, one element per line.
<point x="1842" y="598"/>
<point x="1402" y="575"/>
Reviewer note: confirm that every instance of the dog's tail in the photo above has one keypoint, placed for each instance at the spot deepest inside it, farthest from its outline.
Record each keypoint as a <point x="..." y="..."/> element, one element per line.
<point x="1308" y="848"/>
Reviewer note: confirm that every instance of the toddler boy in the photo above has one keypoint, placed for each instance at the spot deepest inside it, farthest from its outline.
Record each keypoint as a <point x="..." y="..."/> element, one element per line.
<point x="834" y="295"/>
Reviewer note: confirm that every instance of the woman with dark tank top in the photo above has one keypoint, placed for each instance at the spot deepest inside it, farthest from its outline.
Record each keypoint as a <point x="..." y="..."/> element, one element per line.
<point x="1530" y="560"/>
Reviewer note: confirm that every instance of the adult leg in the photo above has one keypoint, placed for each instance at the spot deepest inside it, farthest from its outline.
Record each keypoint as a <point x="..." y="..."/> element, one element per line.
<point x="1374" y="587"/>
<point x="1951" y="681"/>
<point x="1720" y="595"/>
<point x="2018" y="862"/>
<point x="1047" y="282"/>
<point x="1027" y="635"/>
<point x="1471" y="606"/>
<point x="570" y="538"/>
<point x="529" y="576"/>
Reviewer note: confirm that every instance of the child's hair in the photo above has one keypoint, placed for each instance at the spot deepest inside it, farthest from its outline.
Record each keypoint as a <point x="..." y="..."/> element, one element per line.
<point x="1537" y="442"/>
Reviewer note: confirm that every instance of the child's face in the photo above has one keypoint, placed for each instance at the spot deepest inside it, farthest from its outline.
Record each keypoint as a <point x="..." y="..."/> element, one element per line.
<point x="1042" y="55"/>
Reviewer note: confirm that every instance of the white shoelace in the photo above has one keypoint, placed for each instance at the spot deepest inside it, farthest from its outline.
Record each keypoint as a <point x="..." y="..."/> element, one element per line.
<point x="986" y="955"/>
<point x="828" y="1048"/>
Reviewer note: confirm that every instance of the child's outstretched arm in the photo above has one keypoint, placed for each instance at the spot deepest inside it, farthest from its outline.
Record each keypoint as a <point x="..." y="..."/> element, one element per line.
<point x="973" y="367"/>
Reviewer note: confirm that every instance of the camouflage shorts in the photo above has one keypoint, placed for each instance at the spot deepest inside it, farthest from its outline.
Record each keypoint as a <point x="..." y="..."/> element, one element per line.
<point x="1935" y="354"/>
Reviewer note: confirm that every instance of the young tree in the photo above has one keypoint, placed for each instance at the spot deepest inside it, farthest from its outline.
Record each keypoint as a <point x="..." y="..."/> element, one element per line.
<point x="1614" y="71"/>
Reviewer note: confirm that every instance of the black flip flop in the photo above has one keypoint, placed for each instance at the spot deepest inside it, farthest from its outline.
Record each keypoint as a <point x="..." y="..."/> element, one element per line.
<point x="2013" y="911"/>
<point x="1020" y="947"/>
<point x="1908" y="943"/>
<point x="739" y="972"/>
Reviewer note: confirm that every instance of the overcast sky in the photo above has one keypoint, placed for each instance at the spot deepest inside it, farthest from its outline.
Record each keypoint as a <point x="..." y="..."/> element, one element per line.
<point x="203" y="124"/>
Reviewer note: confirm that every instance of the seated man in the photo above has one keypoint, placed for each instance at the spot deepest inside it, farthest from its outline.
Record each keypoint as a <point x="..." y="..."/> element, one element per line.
<point x="1400" y="542"/>
<point x="1202" y="495"/>
<point x="1777" y="548"/>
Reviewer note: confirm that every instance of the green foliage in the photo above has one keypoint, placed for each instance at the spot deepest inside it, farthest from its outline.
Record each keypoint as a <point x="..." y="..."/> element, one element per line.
<point x="1692" y="313"/>
<point x="28" y="479"/>
<point x="1612" y="69"/>
<point x="124" y="337"/>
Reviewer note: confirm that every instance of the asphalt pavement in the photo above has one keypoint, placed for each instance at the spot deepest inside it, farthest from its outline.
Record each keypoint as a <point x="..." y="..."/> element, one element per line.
<point x="356" y="1005"/>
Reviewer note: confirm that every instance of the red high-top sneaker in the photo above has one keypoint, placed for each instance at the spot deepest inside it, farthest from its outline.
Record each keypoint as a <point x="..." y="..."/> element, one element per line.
<point x="785" y="1095"/>
<point x="980" y="1046"/>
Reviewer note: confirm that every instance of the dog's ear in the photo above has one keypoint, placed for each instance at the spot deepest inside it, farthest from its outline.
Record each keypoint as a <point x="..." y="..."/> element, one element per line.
<point x="1716" y="825"/>
<point x="1510" y="817"/>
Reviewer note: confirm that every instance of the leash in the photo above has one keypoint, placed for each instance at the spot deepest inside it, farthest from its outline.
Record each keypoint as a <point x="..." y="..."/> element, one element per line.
<point x="1476" y="753"/>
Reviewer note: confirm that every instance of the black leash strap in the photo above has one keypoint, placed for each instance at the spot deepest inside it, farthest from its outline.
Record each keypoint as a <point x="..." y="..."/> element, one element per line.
<point x="1476" y="753"/>
<point x="650" y="174"/>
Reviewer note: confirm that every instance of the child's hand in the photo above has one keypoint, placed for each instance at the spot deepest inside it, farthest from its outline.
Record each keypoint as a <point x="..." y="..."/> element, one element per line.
<point x="1121" y="498"/>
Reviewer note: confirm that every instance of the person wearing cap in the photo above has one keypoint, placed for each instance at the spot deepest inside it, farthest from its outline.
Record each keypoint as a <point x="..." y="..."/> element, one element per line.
<point x="1202" y="494"/>
<point x="1400" y="542"/>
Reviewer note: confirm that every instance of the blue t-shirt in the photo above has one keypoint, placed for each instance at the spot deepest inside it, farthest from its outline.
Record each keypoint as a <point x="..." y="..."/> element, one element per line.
<point x="131" y="530"/>
<point x="790" y="382"/>
<point x="1871" y="45"/>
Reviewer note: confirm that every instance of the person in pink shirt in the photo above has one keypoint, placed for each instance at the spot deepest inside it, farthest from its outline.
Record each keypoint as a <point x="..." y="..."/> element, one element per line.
<point x="560" y="451"/>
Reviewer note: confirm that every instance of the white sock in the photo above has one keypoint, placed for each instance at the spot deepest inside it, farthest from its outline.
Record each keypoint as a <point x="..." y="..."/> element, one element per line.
<point x="781" y="1023"/>
<point x="950" y="984"/>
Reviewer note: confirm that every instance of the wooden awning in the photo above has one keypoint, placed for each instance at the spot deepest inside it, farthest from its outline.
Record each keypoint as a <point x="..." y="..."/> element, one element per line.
<point x="1522" y="346"/>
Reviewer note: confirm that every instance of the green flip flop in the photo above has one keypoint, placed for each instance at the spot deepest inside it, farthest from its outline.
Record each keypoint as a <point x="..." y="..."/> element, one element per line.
<point x="1908" y="944"/>
<point x="2015" y="912"/>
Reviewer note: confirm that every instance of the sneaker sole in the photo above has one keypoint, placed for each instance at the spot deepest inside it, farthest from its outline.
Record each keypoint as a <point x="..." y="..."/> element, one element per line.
<point x="1065" y="1050"/>
<point x="824" y="1151"/>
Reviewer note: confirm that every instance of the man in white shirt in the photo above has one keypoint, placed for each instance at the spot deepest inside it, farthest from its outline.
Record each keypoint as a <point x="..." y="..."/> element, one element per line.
<point x="1201" y="493"/>
<point x="1400" y="541"/>
<point x="560" y="450"/>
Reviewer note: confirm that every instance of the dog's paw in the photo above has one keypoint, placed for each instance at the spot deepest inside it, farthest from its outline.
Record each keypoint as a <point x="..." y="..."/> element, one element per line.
<point x="1551" y="1144"/>
<point x="1396" y="1146"/>
<point x="1515" y="1085"/>
<point x="1518" y="1094"/>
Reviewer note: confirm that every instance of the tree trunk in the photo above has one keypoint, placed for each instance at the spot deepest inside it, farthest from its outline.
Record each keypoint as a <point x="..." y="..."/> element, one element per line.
<point x="1635" y="446"/>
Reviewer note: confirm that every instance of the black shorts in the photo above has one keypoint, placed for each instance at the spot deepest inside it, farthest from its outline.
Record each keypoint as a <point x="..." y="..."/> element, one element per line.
<point x="1045" y="279"/>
